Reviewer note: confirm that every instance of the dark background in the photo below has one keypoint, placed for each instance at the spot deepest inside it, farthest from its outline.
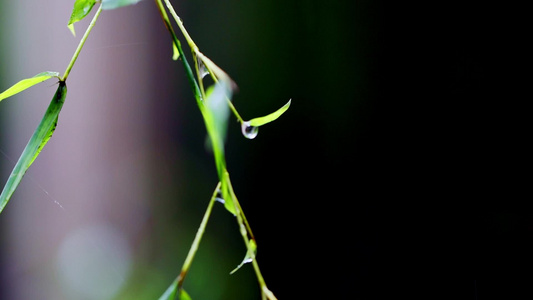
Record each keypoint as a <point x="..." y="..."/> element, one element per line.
<point x="399" y="157"/>
<point x="400" y="154"/>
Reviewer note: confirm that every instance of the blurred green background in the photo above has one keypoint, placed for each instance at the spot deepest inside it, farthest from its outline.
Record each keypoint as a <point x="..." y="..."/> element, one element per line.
<point x="380" y="166"/>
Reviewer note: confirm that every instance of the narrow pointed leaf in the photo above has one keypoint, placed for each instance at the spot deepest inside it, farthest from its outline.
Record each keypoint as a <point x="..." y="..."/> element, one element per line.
<point x="184" y="295"/>
<point x="271" y="117"/>
<point x="27" y="83"/>
<point x="170" y="293"/>
<point x="164" y="15"/>
<point x="81" y="9"/>
<point x="175" y="52"/>
<point x="39" y="138"/>
<point x="112" y="4"/>
<point x="226" y="194"/>
<point x="172" y="290"/>
<point x="216" y="115"/>
<point x="218" y="110"/>
<point x="248" y="258"/>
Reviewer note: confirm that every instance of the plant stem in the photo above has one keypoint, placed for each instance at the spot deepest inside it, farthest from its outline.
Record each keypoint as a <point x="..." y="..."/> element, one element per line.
<point x="190" y="76"/>
<point x="197" y="239"/>
<point x="199" y="92"/>
<point x="244" y="230"/>
<point x="191" y="43"/>
<point x="80" y="45"/>
<point x="196" y="53"/>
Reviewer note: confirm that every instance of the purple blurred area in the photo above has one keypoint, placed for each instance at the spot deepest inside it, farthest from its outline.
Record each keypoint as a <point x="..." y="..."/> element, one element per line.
<point x="110" y="207"/>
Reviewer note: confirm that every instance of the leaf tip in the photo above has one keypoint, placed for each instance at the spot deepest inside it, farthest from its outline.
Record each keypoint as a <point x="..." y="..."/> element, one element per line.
<point x="71" y="27"/>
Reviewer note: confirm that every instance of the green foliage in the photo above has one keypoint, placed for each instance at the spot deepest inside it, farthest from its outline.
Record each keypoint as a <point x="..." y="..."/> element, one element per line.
<point x="269" y="118"/>
<point x="216" y="115"/>
<point x="81" y="9"/>
<point x="214" y="103"/>
<point x="172" y="290"/>
<point x="170" y="293"/>
<point x="251" y="128"/>
<point x="40" y="137"/>
<point x="27" y="83"/>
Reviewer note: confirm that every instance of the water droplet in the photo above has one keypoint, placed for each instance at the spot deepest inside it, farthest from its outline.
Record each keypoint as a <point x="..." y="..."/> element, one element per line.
<point x="248" y="260"/>
<point x="219" y="197"/>
<point x="202" y="70"/>
<point x="249" y="131"/>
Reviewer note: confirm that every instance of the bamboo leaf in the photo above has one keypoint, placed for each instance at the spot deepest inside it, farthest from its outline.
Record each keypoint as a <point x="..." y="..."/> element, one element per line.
<point x="172" y="290"/>
<point x="271" y="117"/>
<point x="251" y="128"/>
<point x="216" y="115"/>
<point x="164" y="15"/>
<point x="40" y="137"/>
<point x="175" y="52"/>
<point x="81" y="9"/>
<point x="170" y="293"/>
<point x="226" y="194"/>
<point x="218" y="110"/>
<point x="27" y="83"/>
<point x="112" y="4"/>
<point x="184" y="295"/>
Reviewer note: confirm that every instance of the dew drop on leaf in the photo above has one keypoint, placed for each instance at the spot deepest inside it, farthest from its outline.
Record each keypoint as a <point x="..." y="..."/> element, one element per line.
<point x="202" y="69"/>
<point x="219" y="197"/>
<point x="249" y="131"/>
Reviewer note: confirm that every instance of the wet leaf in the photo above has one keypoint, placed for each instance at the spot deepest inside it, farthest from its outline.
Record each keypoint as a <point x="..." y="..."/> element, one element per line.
<point x="249" y="131"/>
<point x="269" y="118"/>
<point x="112" y="4"/>
<point x="40" y="137"/>
<point x="27" y="83"/>
<point x="81" y="9"/>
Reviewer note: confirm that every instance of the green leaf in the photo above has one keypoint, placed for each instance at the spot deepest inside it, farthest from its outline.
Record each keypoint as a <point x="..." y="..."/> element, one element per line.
<point x="170" y="293"/>
<point x="218" y="108"/>
<point x="227" y="194"/>
<point x="184" y="295"/>
<point x="249" y="257"/>
<point x="271" y="117"/>
<point x="216" y="113"/>
<point x="40" y="137"/>
<point x="27" y="83"/>
<point x="164" y="15"/>
<point x="81" y="9"/>
<point x="175" y="52"/>
<point x="112" y="4"/>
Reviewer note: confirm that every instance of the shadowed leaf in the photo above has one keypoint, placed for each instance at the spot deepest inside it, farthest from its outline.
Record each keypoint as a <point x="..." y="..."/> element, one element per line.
<point x="39" y="138"/>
